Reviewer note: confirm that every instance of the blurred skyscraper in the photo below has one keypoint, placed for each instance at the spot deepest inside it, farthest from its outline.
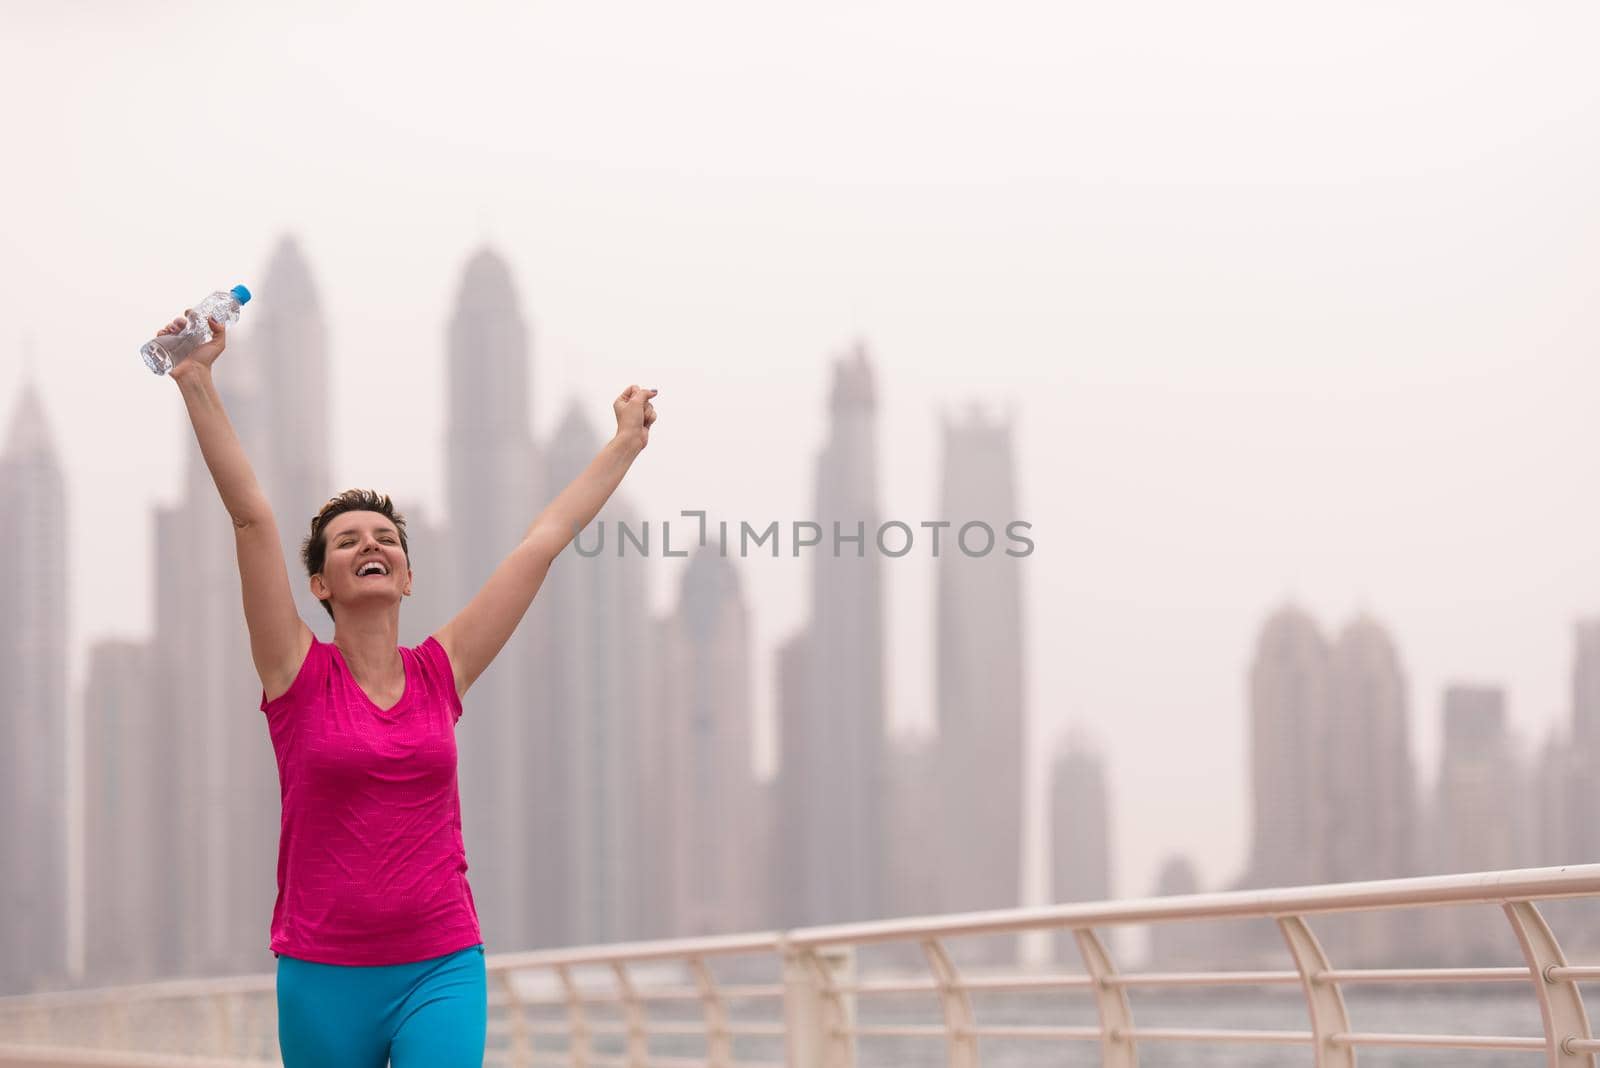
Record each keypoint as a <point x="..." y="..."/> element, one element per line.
<point x="911" y="880"/>
<point x="34" y="537"/>
<point x="1371" y="800"/>
<point x="592" y="628"/>
<point x="703" y="803"/>
<point x="1080" y="832"/>
<point x="1370" y="779"/>
<point x="831" y="710"/>
<point x="1583" y="843"/>
<point x="1586" y="686"/>
<point x="1476" y="822"/>
<point x="979" y="678"/>
<point x="1181" y="946"/>
<point x="122" y="751"/>
<point x="284" y="357"/>
<point x="493" y="487"/>
<point x="1289" y="733"/>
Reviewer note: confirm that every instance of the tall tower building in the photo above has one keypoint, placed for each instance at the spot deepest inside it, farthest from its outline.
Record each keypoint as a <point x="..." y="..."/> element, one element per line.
<point x="978" y="662"/>
<point x="793" y="882"/>
<point x="1586" y="687"/>
<point x="284" y="353"/>
<point x="1582" y="840"/>
<point x="494" y="488"/>
<point x="832" y="764"/>
<point x="1180" y="946"/>
<point x="592" y="627"/>
<point x="199" y="698"/>
<point x="34" y="536"/>
<point x="123" y="762"/>
<point x="1080" y="831"/>
<point x="1289" y="713"/>
<point x="432" y="603"/>
<point x="709" y="805"/>
<point x="912" y="862"/>
<point x="1555" y="795"/>
<point x="1371" y="786"/>
<point x="1476" y="826"/>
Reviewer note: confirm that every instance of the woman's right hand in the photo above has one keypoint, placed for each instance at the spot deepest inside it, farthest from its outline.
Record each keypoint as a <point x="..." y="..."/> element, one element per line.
<point x="205" y="354"/>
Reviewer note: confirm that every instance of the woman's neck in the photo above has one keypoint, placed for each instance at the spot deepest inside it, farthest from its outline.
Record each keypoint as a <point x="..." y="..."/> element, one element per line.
<point x="369" y="643"/>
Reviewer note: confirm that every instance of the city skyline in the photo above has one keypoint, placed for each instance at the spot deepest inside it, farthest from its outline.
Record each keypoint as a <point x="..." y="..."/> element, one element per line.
<point x="1263" y="340"/>
<point x="1360" y="675"/>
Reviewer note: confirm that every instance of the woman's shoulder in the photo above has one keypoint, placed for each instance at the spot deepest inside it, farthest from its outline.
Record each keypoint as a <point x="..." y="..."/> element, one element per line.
<point x="436" y="663"/>
<point x="312" y="664"/>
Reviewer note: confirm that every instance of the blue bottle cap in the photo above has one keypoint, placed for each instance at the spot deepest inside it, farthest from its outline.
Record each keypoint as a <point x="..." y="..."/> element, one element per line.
<point x="241" y="294"/>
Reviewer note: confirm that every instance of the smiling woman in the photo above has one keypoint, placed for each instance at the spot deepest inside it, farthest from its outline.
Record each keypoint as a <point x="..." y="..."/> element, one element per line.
<point x="374" y="539"/>
<point x="374" y="915"/>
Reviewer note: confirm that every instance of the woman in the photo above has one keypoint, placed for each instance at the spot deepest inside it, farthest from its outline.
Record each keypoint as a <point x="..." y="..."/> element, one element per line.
<point x="380" y="959"/>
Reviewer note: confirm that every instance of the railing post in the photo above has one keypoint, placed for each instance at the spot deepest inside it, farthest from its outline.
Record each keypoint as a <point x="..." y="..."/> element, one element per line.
<point x="633" y="1015"/>
<point x="719" y="1043"/>
<point x="817" y="1015"/>
<point x="521" y="1051"/>
<point x="1560" y="1006"/>
<point x="579" y="1051"/>
<point x="1324" y="1000"/>
<point x="956" y="1005"/>
<point x="1116" y="1015"/>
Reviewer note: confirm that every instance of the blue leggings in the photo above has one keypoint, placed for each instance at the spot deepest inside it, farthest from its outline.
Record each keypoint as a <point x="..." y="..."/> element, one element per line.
<point x="425" y="1014"/>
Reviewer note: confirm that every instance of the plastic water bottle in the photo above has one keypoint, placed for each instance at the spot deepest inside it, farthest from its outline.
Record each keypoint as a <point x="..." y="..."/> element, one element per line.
<point x="161" y="353"/>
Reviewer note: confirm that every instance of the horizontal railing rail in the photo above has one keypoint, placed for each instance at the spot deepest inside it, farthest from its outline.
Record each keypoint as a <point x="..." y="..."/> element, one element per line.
<point x="799" y="996"/>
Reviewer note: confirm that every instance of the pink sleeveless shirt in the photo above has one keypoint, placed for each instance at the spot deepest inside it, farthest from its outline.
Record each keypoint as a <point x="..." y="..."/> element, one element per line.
<point x="372" y="868"/>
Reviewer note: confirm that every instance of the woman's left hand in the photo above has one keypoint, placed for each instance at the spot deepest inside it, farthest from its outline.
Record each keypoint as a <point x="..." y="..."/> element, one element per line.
<point x="635" y="415"/>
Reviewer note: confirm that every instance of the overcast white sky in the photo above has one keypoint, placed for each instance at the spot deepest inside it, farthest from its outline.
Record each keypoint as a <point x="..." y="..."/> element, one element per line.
<point x="1291" y="300"/>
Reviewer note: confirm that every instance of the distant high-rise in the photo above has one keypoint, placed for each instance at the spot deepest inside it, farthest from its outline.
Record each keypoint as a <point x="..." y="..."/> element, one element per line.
<point x="832" y="765"/>
<point x="706" y="811"/>
<point x="1080" y="831"/>
<point x="592" y="630"/>
<point x="34" y="535"/>
<point x="1369" y="779"/>
<point x="432" y="602"/>
<point x="1476" y="828"/>
<point x="283" y="354"/>
<point x="1180" y="946"/>
<point x="912" y="861"/>
<point x="123" y="755"/>
<point x="1289" y="714"/>
<point x="494" y="488"/>
<point x="1586" y="686"/>
<point x="793" y="884"/>
<point x="978" y="664"/>
<point x="1583" y="841"/>
<point x="1476" y="825"/>
<point x="1555" y="796"/>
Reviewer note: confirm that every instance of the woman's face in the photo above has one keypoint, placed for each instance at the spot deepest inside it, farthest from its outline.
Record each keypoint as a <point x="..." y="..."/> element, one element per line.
<point x="363" y="559"/>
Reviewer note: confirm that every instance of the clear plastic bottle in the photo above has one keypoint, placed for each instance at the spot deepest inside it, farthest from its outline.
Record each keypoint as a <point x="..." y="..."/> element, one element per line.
<point x="162" y="352"/>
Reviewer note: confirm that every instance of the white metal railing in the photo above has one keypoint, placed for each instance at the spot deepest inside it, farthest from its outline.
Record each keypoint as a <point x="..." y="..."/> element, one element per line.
<point x="546" y="1007"/>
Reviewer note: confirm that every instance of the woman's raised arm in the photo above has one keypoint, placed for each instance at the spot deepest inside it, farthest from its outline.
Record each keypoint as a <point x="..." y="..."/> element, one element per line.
<point x="279" y="638"/>
<point x="480" y="630"/>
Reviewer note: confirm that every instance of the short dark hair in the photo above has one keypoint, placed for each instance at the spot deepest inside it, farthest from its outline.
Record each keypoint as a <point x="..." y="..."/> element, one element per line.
<point x="314" y="550"/>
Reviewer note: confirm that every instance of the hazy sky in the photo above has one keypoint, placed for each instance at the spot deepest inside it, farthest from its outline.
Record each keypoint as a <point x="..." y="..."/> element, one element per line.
<point x="1290" y="301"/>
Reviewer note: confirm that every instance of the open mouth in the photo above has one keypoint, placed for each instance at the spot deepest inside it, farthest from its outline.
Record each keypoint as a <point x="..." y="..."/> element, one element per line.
<point x="372" y="568"/>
